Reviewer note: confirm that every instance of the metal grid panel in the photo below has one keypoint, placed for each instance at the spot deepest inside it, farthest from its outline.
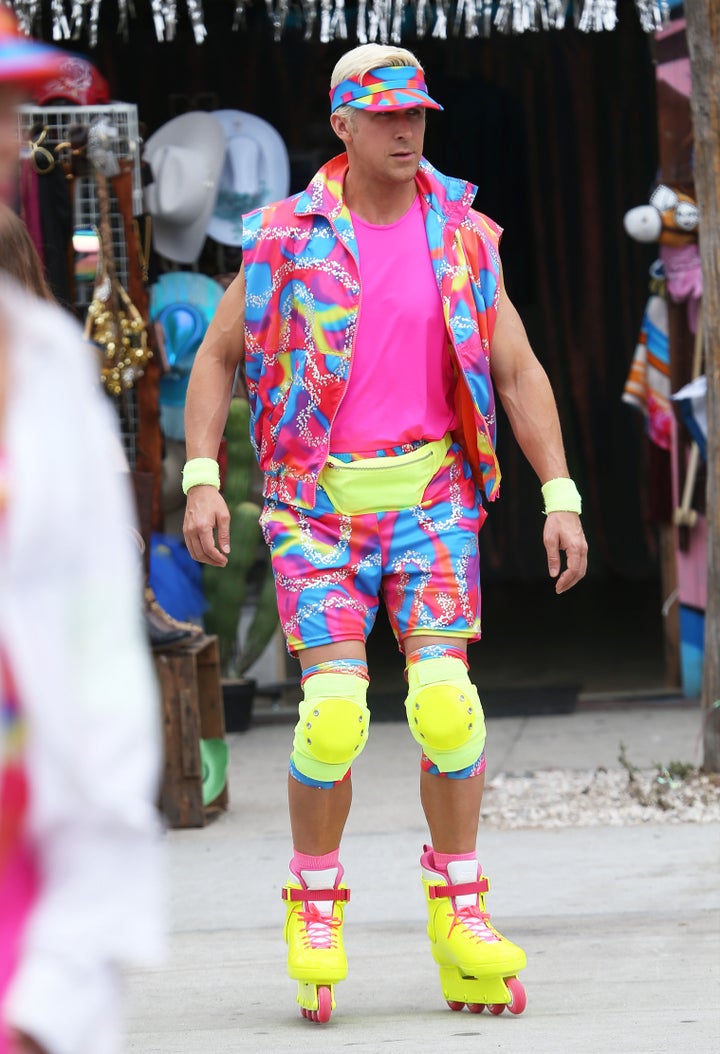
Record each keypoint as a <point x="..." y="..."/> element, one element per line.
<point x="59" y="120"/>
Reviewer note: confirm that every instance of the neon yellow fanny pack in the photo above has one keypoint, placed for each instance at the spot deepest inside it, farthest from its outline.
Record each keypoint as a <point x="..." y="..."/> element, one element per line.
<point x="382" y="484"/>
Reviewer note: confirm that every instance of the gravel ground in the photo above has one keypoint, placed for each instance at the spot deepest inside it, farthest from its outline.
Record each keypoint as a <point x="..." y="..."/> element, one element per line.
<point x="598" y="797"/>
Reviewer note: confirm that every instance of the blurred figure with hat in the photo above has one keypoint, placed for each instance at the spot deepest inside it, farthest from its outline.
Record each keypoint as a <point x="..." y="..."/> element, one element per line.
<point x="79" y="735"/>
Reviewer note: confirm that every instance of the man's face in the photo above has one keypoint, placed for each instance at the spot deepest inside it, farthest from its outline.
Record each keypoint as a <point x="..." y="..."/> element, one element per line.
<point x="386" y="146"/>
<point x="9" y="143"/>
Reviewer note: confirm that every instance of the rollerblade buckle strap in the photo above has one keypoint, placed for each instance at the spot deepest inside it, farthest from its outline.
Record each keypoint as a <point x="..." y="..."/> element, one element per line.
<point x="294" y="894"/>
<point x="461" y="890"/>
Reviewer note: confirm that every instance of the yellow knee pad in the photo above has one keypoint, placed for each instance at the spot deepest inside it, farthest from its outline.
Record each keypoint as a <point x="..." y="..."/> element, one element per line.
<point x="445" y="713"/>
<point x="333" y="726"/>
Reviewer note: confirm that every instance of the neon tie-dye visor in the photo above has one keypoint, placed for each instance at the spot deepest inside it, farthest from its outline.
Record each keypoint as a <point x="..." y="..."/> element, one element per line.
<point x="387" y="88"/>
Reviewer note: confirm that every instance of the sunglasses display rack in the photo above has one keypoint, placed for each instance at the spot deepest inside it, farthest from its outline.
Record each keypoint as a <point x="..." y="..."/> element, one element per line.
<point x="61" y="123"/>
<point x="66" y="131"/>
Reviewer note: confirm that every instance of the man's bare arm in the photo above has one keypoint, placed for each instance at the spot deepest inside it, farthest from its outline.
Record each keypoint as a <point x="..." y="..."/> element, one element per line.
<point x="527" y="397"/>
<point x="206" y="409"/>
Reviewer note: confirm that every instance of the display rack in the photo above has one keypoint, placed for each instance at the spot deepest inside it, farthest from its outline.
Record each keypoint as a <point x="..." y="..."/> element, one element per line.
<point x="59" y="121"/>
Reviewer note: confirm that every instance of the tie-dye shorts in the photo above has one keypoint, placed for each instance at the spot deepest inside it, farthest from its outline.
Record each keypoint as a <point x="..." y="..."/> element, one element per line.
<point x="330" y="569"/>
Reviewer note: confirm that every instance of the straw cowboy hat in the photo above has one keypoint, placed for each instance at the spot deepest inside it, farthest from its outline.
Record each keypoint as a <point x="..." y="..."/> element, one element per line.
<point x="255" y="172"/>
<point x="186" y="157"/>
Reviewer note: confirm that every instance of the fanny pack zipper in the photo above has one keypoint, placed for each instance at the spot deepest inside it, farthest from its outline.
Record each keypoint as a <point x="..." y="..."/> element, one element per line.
<point x="356" y="466"/>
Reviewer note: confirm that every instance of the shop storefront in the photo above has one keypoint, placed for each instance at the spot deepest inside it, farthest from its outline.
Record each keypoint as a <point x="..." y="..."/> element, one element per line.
<point x="558" y="127"/>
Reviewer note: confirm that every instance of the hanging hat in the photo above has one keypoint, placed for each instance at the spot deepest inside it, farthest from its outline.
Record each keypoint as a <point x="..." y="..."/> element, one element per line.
<point x="255" y="172"/>
<point x="184" y="304"/>
<point x="75" y="81"/>
<point x="186" y="157"/>
<point x="214" y="755"/>
<point x="24" y="63"/>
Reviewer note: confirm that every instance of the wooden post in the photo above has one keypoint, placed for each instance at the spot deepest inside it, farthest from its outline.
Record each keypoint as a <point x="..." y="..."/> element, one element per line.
<point x="703" y="34"/>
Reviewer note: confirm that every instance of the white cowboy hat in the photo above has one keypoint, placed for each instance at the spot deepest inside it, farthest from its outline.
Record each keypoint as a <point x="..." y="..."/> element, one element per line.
<point x="186" y="157"/>
<point x="255" y="172"/>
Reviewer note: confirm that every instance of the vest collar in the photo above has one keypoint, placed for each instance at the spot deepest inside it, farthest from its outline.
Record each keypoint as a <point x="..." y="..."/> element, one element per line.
<point x="449" y="197"/>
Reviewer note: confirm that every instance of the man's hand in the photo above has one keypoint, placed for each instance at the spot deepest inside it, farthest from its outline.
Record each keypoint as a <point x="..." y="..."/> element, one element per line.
<point x="205" y="513"/>
<point x="563" y="532"/>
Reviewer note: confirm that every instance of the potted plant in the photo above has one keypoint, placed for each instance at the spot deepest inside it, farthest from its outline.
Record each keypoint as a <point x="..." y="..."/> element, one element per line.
<point x="226" y="588"/>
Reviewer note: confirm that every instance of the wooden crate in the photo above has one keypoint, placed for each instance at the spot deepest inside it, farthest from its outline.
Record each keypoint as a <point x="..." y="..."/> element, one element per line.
<point x="192" y="709"/>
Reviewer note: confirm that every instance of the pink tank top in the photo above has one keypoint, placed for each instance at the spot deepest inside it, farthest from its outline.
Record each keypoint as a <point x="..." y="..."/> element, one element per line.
<point x="401" y="386"/>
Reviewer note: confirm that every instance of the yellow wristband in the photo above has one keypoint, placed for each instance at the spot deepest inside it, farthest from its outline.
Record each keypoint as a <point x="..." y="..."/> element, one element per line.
<point x="561" y="495"/>
<point x="201" y="472"/>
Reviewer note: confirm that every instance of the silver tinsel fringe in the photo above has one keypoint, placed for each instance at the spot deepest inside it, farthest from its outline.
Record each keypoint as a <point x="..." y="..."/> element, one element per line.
<point x="377" y="20"/>
<point x="277" y="12"/>
<point x="310" y="13"/>
<point x="441" y="20"/>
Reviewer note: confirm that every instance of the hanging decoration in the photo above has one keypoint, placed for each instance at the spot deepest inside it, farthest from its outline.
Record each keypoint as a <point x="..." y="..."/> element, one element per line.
<point x="239" y="17"/>
<point x="277" y="12"/>
<point x="113" y="322"/>
<point x="421" y="18"/>
<point x="332" y="21"/>
<point x="597" y="16"/>
<point x="521" y="16"/>
<point x="310" y="12"/>
<point x="382" y="21"/>
<point x="441" y="20"/>
<point x="486" y="17"/>
<point x="379" y="20"/>
<point x="397" y="21"/>
<point x="466" y="11"/>
<point x="362" y="33"/>
<point x="557" y="13"/>
<point x="61" y="26"/>
<point x="653" y="14"/>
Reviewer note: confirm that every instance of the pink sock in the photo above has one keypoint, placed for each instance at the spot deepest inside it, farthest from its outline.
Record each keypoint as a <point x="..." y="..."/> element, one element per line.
<point x="303" y="862"/>
<point x="441" y="860"/>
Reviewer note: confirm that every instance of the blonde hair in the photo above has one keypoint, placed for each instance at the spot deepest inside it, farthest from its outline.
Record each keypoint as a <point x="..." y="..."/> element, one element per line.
<point x="356" y="63"/>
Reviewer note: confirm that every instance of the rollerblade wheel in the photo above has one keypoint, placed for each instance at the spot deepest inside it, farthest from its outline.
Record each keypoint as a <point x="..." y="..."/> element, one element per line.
<point x="454" y="1005"/>
<point x="496" y="1008"/>
<point x="518" y="998"/>
<point x="476" y="1008"/>
<point x="324" y="1010"/>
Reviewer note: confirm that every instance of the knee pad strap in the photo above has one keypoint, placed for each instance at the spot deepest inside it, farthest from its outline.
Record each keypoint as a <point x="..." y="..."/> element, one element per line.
<point x="445" y="714"/>
<point x="333" y="726"/>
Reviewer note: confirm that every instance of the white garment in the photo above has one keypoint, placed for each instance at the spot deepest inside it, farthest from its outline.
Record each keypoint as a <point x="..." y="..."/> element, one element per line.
<point x="70" y="619"/>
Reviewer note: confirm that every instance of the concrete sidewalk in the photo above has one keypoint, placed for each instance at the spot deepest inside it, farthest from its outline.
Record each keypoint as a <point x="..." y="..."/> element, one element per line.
<point x="620" y="924"/>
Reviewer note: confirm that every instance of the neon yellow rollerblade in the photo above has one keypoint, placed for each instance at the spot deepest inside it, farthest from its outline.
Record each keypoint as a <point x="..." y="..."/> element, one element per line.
<point x="478" y="966"/>
<point x="316" y="955"/>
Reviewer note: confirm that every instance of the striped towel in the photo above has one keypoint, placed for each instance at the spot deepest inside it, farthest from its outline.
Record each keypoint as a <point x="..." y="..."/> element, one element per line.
<point x="648" y="383"/>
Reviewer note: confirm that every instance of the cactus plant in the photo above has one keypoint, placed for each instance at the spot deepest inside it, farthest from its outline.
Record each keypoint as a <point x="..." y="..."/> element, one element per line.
<point x="226" y="587"/>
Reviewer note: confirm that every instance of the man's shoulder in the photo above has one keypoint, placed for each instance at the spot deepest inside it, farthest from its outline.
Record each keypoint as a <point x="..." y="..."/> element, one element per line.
<point x="277" y="212"/>
<point x="483" y="226"/>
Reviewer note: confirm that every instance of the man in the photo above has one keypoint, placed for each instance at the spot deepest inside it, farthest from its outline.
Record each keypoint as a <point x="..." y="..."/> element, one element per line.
<point x="376" y="325"/>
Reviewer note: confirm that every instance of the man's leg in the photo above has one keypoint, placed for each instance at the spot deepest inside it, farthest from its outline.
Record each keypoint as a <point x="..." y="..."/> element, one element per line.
<point x="318" y="815"/>
<point x="451" y="806"/>
<point x="478" y="966"/>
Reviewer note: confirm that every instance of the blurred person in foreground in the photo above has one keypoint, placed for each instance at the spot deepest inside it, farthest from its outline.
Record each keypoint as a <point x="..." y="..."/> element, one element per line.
<point x="79" y="736"/>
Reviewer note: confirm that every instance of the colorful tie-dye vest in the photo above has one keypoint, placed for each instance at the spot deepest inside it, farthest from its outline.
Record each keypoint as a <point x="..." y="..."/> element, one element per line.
<point x="302" y="305"/>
